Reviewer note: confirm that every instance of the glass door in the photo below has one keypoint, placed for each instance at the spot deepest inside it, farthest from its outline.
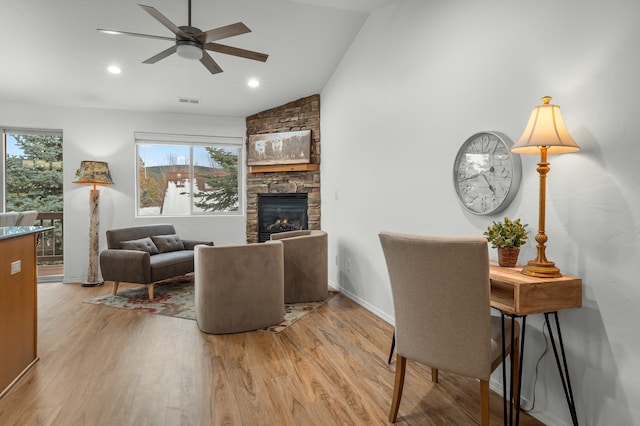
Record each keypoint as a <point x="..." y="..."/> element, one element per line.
<point x="33" y="180"/>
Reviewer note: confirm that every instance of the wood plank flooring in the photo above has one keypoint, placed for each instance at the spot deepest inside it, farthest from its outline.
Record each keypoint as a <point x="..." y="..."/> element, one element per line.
<point x="106" y="366"/>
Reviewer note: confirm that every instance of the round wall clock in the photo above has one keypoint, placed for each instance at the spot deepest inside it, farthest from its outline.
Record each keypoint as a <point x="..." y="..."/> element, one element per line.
<point x="486" y="174"/>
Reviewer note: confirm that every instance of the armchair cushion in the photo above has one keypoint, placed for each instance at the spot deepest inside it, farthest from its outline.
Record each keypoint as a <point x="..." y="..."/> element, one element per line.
<point x="142" y="244"/>
<point x="167" y="243"/>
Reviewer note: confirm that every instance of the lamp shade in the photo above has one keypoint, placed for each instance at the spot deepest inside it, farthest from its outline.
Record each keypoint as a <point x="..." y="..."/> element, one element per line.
<point x="93" y="173"/>
<point x="545" y="128"/>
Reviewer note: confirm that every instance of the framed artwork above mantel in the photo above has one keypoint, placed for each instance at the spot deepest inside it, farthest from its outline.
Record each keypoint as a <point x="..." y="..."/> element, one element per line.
<point x="269" y="149"/>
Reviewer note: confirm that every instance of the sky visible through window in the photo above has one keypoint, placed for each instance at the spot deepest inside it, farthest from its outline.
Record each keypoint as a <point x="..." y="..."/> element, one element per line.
<point x="159" y="155"/>
<point x="13" y="149"/>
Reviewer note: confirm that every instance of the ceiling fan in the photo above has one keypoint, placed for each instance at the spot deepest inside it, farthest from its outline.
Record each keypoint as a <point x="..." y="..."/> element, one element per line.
<point x="192" y="43"/>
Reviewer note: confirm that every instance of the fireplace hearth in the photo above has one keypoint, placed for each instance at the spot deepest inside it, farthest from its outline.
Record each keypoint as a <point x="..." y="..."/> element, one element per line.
<point x="281" y="213"/>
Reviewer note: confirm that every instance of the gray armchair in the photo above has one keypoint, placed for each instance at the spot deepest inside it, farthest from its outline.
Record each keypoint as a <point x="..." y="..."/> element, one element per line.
<point x="306" y="277"/>
<point x="146" y="254"/>
<point x="239" y="287"/>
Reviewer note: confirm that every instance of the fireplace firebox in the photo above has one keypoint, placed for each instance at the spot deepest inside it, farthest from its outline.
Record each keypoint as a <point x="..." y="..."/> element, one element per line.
<point x="281" y="213"/>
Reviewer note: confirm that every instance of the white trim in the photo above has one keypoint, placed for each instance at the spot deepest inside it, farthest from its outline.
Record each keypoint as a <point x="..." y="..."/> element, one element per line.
<point x="144" y="137"/>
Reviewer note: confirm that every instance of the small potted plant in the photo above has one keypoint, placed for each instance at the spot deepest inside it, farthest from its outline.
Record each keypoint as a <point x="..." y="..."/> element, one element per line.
<point x="507" y="237"/>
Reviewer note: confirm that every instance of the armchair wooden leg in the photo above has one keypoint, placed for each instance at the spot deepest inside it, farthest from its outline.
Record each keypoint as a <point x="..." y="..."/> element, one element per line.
<point x="484" y="402"/>
<point x="150" y="291"/>
<point x="401" y="364"/>
<point x="434" y="375"/>
<point x="115" y="287"/>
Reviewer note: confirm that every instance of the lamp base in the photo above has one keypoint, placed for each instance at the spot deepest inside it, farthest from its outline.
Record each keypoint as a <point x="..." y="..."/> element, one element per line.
<point x="546" y="269"/>
<point x="96" y="284"/>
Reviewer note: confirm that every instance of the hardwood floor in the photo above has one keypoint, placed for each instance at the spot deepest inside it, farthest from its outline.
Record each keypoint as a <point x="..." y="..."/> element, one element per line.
<point x="106" y="366"/>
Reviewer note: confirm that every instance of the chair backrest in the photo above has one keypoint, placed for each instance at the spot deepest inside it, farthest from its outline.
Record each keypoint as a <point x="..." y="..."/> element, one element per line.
<point x="306" y="274"/>
<point x="8" y="218"/>
<point x="293" y="234"/>
<point x="441" y="291"/>
<point x="27" y="218"/>
<point x="116" y="236"/>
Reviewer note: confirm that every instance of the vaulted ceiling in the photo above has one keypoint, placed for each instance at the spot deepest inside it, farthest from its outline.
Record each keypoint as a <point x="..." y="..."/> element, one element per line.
<point x="52" y="53"/>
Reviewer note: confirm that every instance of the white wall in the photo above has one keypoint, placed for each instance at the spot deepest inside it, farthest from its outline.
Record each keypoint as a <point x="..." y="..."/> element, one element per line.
<point x="420" y="78"/>
<point x="108" y="135"/>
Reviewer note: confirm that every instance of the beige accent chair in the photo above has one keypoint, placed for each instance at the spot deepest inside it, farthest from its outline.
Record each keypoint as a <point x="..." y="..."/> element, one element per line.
<point x="306" y="276"/>
<point x="27" y="218"/>
<point x="239" y="287"/>
<point x="9" y="218"/>
<point x="441" y="298"/>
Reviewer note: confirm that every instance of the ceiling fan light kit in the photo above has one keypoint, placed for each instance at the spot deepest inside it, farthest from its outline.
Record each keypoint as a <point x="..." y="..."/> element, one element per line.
<point x="192" y="43"/>
<point x="189" y="50"/>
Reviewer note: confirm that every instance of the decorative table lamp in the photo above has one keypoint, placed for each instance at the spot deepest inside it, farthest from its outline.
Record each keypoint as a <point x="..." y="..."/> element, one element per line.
<point x="545" y="134"/>
<point x="93" y="173"/>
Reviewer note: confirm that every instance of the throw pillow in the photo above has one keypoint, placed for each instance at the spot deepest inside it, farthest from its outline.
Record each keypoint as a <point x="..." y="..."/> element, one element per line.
<point x="167" y="243"/>
<point x="143" y="244"/>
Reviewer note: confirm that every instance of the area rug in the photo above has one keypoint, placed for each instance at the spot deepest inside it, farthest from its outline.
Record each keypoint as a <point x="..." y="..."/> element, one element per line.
<point x="174" y="298"/>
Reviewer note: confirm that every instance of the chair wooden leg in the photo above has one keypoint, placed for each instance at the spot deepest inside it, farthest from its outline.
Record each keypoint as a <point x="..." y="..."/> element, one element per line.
<point x="434" y="375"/>
<point x="150" y="291"/>
<point x="115" y="287"/>
<point x="401" y="364"/>
<point x="484" y="402"/>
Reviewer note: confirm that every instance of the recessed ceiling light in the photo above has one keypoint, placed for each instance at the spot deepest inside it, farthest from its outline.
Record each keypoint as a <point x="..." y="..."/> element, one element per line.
<point x="253" y="82"/>
<point x="114" y="69"/>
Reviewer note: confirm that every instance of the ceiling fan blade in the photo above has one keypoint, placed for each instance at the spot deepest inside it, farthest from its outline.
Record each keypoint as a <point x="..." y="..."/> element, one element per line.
<point x="161" y="55"/>
<point x="235" y="51"/>
<point x="222" y="32"/>
<point x="165" y="21"/>
<point x="209" y="63"/>
<point x="117" y="32"/>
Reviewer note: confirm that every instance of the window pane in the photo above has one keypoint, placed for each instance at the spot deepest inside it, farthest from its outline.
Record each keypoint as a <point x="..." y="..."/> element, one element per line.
<point x="33" y="171"/>
<point x="164" y="180"/>
<point x="184" y="179"/>
<point x="216" y="171"/>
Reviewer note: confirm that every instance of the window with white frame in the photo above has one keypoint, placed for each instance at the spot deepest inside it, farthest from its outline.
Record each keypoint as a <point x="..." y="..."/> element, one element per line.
<point x="183" y="175"/>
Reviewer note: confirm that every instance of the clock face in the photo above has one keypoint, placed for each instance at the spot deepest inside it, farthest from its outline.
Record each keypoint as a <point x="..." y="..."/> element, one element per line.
<point x="486" y="175"/>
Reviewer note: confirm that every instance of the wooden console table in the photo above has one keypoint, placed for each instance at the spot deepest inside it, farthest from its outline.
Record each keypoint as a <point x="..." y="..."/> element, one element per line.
<point x="517" y="295"/>
<point x="18" y="302"/>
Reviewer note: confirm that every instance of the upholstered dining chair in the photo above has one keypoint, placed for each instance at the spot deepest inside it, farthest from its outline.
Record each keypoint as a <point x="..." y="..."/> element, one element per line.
<point x="441" y="291"/>
<point x="9" y="218"/>
<point x="27" y="218"/>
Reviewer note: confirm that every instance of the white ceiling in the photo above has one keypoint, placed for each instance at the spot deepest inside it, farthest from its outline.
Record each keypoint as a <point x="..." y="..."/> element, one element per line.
<point x="52" y="53"/>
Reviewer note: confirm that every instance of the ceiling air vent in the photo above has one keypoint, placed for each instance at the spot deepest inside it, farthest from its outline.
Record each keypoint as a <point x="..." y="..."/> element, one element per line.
<point x="188" y="101"/>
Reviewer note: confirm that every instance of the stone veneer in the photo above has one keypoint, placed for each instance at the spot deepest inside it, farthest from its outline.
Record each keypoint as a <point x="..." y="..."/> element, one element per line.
<point x="303" y="114"/>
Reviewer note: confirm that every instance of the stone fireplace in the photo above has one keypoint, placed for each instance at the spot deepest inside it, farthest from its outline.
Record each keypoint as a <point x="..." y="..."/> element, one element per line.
<point x="281" y="213"/>
<point x="291" y="182"/>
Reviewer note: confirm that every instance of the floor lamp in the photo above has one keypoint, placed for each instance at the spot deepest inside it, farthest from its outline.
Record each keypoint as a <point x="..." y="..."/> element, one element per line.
<point x="93" y="173"/>
<point x="545" y="134"/>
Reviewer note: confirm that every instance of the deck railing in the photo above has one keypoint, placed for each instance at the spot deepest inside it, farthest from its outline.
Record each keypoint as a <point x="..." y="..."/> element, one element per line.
<point x="50" y="244"/>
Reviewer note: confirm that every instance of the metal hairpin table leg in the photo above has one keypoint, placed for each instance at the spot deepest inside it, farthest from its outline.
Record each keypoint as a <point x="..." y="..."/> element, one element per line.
<point x="564" y="374"/>
<point x="510" y="418"/>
